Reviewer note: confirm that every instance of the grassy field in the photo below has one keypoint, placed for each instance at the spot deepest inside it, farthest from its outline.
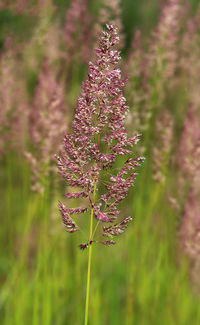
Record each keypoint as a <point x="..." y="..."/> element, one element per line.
<point x="145" y="279"/>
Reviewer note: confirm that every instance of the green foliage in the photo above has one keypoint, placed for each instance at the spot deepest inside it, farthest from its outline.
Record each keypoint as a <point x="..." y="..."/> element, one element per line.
<point x="140" y="281"/>
<point x="43" y="273"/>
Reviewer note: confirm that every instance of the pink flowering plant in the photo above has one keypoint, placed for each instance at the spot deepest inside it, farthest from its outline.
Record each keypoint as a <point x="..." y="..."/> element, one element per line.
<point x="88" y="160"/>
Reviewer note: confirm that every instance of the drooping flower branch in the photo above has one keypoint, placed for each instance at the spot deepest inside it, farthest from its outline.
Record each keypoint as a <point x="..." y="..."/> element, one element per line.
<point x="88" y="158"/>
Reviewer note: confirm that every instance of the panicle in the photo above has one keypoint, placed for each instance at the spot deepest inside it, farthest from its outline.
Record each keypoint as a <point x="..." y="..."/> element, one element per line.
<point x="189" y="62"/>
<point x="17" y="6"/>
<point x="111" y="12"/>
<point x="46" y="38"/>
<point x="137" y="90"/>
<point x="12" y="97"/>
<point x="98" y="137"/>
<point x="153" y="73"/>
<point x="77" y="32"/>
<point x="189" y="149"/>
<point x="163" y="55"/>
<point x="164" y="47"/>
<point x="47" y="125"/>
<point x="189" y="152"/>
<point x="188" y="157"/>
<point x="24" y="6"/>
<point x="190" y="231"/>
<point x="162" y="148"/>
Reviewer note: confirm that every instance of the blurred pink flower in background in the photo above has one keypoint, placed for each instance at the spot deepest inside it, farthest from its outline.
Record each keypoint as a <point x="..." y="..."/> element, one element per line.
<point x="13" y="113"/>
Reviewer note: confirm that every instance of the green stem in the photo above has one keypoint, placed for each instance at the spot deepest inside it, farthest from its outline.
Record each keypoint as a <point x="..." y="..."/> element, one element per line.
<point x="89" y="261"/>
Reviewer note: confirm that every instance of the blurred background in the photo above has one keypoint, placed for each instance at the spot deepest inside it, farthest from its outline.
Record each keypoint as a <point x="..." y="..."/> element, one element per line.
<point x="152" y="274"/>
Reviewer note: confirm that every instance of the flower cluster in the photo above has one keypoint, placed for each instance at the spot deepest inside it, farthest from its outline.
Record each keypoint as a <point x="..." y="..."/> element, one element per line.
<point x="89" y="153"/>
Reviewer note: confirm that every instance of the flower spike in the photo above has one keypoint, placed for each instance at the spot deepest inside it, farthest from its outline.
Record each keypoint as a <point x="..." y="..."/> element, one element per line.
<point x="87" y="160"/>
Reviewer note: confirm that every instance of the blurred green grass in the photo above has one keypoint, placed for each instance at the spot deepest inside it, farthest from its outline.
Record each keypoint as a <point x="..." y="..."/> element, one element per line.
<point x="43" y="274"/>
<point x="140" y="281"/>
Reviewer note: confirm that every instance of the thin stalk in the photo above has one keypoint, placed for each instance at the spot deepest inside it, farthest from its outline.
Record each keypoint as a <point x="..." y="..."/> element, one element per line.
<point x="95" y="229"/>
<point x="89" y="261"/>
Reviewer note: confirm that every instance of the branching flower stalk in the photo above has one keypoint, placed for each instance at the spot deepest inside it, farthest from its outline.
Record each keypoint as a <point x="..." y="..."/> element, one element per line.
<point x="90" y="155"/>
